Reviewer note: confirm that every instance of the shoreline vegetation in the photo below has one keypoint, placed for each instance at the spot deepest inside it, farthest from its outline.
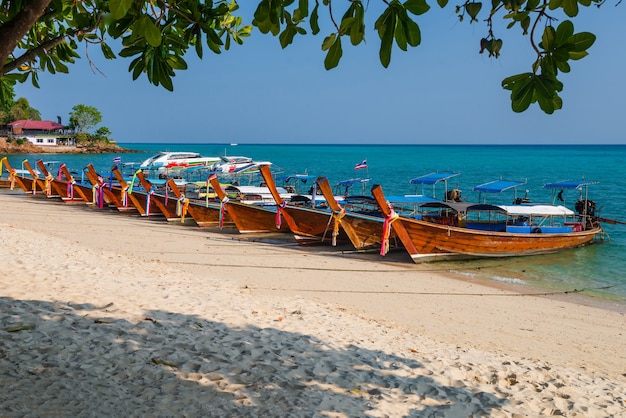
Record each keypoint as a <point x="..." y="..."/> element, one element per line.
<point x="89" y="148"/>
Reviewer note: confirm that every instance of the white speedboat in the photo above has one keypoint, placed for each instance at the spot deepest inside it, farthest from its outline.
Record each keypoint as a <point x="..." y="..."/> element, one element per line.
<point x="178" y="160"/>
<point x="237" y="164"/>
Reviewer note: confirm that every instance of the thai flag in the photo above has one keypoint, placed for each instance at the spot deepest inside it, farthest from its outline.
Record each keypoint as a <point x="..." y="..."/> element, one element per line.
<point x="361" y="165"/>
<point x="117" y="159"/>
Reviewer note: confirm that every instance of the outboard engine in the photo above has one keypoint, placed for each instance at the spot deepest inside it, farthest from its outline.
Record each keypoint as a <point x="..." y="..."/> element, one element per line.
<point x="454" y="195"/>
<point x="585" y="207"/>
<point x="521" y="200"/>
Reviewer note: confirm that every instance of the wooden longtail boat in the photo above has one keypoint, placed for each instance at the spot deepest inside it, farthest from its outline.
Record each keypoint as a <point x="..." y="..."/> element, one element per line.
<point x="135" y="200"/>
<point x="309" y="225"/>
<point x="365" y="231"/>
<point x="74" y="188"/>
<point x="164" y="204"/>
<point x="108" y="194"/>
<point x="250" y="218"/>
<point x="147" y="203"/>
<point x="37" y="184"/>
<point x="206" y="215"/>
<point x="54" y="185"/>
<point x="104" y="195"/>
<point x="454" y="235"/>
<point x="15" y="178"/>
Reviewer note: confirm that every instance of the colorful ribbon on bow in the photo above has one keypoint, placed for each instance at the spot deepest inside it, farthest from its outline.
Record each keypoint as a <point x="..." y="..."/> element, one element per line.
<point x="181" y="207"/>
<point x="13" y="177"/>
<point x="70" y="188"/>
<point x="132" y="182"/>
<point x="48" y="184"/>
<point x="98" y="195"/>
<point x="279" y="212"/>
<point x="125" y="196"/>
<point x="223" y="210"/>
<point x="384" y="245"/>
<point x="148" y="195"/>
<point x="337" y="216"/>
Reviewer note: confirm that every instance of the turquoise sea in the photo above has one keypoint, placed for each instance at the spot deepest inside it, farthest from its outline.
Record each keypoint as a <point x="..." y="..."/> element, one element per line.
<point x="598" y="269"/>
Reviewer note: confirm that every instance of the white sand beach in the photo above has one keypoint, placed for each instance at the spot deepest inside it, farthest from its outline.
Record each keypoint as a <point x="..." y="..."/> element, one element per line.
<point x="111" y="314"/>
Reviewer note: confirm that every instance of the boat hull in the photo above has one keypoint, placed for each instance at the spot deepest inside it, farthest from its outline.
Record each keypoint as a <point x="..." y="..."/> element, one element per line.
<point x="252" y="219"/>
<point x="429" y="238"/>
<point x="208" y="216"/>
<point x="313" y="226"/>
<point x="365" y="231"/>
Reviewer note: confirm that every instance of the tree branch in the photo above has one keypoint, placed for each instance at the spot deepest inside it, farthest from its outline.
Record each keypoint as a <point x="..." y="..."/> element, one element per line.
<point x="14" y="30"/>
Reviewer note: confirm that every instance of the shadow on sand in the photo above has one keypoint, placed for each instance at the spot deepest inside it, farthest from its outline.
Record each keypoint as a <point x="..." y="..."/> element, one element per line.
<point x="61" y="359"/>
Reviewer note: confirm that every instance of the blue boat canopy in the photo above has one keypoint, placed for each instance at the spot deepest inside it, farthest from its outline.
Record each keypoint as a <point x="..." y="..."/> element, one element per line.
<point x="568" y="184"/>
<point x="433" y="178"/>
<point x="498" y="186"/>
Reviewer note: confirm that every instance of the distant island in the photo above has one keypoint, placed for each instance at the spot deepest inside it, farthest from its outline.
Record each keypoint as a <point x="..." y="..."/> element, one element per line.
<point x="88" y="148"/>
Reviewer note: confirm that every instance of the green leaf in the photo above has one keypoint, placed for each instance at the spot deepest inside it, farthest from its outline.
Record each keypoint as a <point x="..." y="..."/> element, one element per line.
<point x="334" y="54"/>
<point x="417" y="7"/>
<point x="176" y="63"/>
<point x="329" y="41"/>
<point x="34" y="79"/>
<point x="522" y="97"/>
<point x="62" y="68"/>
<point x="357" y="32"/>
<point x="582" y="41"/>
<point x="400" y="36"/>
<point x="264" y="18"/>
<point x="214" y="42"/>
<point x="442" y="3"/>
<point x="563" y="32"/>
<point x="107" y="51"/>
<point x="198" y="46"/>
<point x="119" y="8"/>
<point x="315" y="28"/>
<point x="522" y="90"/>
<point x="472" y="10"/>
<point x="570" y="7"/>
<point x="302" y="11"/>
<point x="561" y="54"/>
<point x="555" y="4"/>
<point x="577" y="55"/>
<point x="386" y="43"/>
<point x="386" y="25"/>
<point x="547" y="40"/>
<point x="531" y="5"/>
<point x="286" y="37"/>
<point x="413" y="34"/>
<point x="82" y="20"/>
<point x="563" y="66"/>
<point x="525" y="23"/>
<point x="151" y="32"/>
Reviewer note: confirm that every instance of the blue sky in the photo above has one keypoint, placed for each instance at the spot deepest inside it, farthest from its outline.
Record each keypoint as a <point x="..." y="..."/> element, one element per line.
<point x="443" y="91"/>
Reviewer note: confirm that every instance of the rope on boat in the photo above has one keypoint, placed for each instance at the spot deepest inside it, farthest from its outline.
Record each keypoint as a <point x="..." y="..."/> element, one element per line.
<point x="48" y="184"/>
<point x="223" y="210"/>
<point x="182" y="205"/>
<point x="384" y="246"/>
<point x="337" y="216"/>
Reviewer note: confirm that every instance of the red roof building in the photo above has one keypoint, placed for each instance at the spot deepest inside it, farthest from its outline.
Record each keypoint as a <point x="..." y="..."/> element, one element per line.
<point x="38" y="132"/>
<point x="36" y="125"/>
